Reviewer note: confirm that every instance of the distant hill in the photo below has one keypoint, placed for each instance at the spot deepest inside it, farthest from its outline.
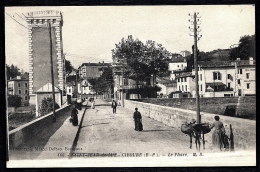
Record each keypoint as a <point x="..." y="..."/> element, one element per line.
<point x="215" y="55"/>
<point x="219" y="55"/>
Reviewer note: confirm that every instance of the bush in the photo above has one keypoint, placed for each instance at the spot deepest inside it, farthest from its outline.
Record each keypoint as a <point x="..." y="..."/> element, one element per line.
<point x="14" y="101"/>
<point x="47" y="106"/>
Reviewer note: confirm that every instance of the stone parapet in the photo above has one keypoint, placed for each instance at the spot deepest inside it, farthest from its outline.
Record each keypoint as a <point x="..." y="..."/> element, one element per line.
<point x="27" y="131"/>
<point x="243" y="129"/>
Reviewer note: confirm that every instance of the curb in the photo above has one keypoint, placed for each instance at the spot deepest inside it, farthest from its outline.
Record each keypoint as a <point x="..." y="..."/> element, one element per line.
<point x="74" y="145"/>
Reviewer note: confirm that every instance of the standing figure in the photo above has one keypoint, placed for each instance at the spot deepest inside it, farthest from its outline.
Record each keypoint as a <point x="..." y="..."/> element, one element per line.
<point x="114" y="105"/>
<point x="93" y="104"/>
<point x="74" y="116"/>
<point x="137" y="118"/>
<point x="218" y="133"/>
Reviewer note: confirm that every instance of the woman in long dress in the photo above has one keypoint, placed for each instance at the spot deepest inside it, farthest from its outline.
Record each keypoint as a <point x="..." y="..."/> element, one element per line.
<point x="217" y="133"/>
<point x="93" y="104"/>
<point x="74" y="115"/>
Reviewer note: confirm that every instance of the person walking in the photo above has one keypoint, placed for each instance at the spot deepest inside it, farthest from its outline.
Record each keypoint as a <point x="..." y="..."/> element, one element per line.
<point x="138" y="120"/>
<point x="93" y="104"/>
<point x="114" y="105"/>
<point x="218" y="133"/>
<point x="74" y="116"/>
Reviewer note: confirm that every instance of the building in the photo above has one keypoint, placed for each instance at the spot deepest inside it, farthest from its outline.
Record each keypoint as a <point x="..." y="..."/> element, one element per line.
<point x="185" y="85"/>
<point x="177" y="66"/>
<point x="92" y="70"/>
<point x="44" y="34"/>
<point x="226" y="78"/>
<point x="185" y="53"/>
<point x="245" y="80"/>
<point x="168" y="86"/>
<point x="19" y="86"/>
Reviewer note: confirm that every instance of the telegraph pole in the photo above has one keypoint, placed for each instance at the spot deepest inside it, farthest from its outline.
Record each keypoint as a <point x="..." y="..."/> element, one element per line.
<point x="196" y="31"/>
<point x="52" y="77"/>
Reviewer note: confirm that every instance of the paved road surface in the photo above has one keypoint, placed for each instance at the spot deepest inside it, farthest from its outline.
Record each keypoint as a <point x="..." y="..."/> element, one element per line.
<point x="108" y="134"/>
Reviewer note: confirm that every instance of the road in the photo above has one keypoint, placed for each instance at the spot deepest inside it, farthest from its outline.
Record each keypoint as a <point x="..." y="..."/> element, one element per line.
<point x="103" y="134"/>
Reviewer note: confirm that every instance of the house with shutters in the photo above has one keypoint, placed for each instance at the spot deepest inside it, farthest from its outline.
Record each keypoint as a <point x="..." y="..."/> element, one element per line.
<point x="19" y="86"/>
<point x="226" y="78"/>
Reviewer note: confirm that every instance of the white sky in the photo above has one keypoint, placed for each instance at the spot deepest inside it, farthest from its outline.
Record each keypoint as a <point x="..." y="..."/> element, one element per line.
<point x="92" y="32"/>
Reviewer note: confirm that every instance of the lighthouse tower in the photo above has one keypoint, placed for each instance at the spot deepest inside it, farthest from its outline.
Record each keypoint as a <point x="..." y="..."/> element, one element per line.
<point x="45" y="35"/>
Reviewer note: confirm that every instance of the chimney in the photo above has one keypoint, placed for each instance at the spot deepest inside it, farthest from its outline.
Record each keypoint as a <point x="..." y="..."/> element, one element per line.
<point x="251" y="60"/>
<point x="18" y="77"/>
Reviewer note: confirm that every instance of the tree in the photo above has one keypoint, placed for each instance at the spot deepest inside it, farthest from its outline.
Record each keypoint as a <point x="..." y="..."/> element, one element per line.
<point x="103" y="84"/>
<point x="245" y="49"/>
<point x="68" y="66"/>
<point x="140" y="60"/>
<point x="14" y="101"/>
<point x="12" y="71"/>
<point x="47" y="106"/>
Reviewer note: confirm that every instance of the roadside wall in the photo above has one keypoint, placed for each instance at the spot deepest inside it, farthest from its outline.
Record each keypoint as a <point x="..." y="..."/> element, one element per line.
<point x="25" y="132"/>
<point x="244" y="130"/>
<point x="216" y="105"/>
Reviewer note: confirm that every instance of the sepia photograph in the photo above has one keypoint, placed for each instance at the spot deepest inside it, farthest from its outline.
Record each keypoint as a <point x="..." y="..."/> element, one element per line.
<point x="130" y="86"/>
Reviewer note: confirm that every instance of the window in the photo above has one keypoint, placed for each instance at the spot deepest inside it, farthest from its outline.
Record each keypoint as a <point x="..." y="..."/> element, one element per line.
<point x="201" y="77"/>
<point x="181" y="79"/>
<point x="247" y="75"/>
<point x="25" y="98"/>
<point x="178" y="79"/>
<point x="247" y="85"/>
<point x="182" y="65"/>
<point x="240" y="71"/>
<point x="238" y="81"/>
<point x="69" y="90"/>
<point x="228" y="86"/>
<point x="177" y="65"/>
<point x="186" y="87"/>
<point x="201" y="87"/>
<point x="25" y="91"/>
<point x="19" y="84"/>
<point x="19" y="92"/>
<point x="25" y="84"/>
<point x="216" y="76"/>
<point x="179" y="88"/>
<point x="185" y="80"/>
<point x="182" y="88"/>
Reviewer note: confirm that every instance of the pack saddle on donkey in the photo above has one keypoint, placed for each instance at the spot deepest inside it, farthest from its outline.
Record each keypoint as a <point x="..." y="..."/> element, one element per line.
<point x="196" y="130"/>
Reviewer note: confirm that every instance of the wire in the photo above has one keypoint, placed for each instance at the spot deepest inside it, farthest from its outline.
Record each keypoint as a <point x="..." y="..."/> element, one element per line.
<point x="21" y="17"/>
<point x="18" y="22"/>
<point x="74" y="55"/>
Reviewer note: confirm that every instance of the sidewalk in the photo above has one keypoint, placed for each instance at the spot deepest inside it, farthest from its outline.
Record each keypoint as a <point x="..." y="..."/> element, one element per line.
<point x="59" y="145"/>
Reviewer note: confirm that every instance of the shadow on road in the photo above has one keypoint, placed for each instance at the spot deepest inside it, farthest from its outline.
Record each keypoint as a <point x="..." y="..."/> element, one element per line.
<point x="39" y="140"/>
<point x="95" y="124"/>
<point x="155" y="130"/>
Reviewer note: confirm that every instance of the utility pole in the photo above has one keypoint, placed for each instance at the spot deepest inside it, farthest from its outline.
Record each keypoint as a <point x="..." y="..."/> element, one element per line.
<point x="52" y="77"/>
<point x="196" y="31"/>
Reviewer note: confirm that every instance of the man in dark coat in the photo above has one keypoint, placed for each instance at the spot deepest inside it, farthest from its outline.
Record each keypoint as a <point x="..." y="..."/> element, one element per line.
<point x="114" y="105"/>
<point x="137" y="118"/>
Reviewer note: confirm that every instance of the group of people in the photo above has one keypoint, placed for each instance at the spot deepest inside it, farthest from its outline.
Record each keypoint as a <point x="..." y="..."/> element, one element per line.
<point x="218" y="135"/>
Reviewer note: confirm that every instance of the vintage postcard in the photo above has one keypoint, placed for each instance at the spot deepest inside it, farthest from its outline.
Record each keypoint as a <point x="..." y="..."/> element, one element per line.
<point x="130" y="86"/>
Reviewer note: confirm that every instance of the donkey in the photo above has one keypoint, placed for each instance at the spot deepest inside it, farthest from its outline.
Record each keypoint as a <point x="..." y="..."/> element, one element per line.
<point x="196" y="130"/>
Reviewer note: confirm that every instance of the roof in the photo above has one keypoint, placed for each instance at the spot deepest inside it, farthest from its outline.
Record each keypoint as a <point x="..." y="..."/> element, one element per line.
<point x="214" y="83"/>
<point x="229" y="63"/>
<point x="185" y="74"/>
<point x="177" y="59"/>
<point x="95" y="64"/>
<point x="165" y="81"/>
<point x="47" y="88"/>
